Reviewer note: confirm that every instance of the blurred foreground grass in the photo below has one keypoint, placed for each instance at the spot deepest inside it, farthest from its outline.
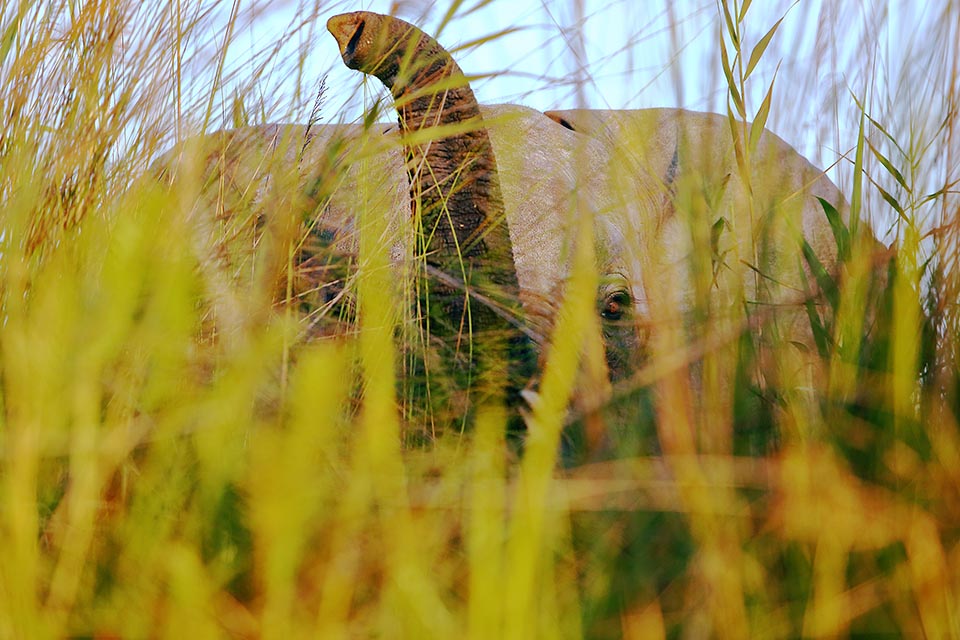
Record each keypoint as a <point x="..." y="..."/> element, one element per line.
<point x="159" y="479"/>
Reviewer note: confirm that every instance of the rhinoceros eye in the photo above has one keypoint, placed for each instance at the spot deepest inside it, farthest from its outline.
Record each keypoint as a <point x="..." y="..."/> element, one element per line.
<point x="615" y="305"/>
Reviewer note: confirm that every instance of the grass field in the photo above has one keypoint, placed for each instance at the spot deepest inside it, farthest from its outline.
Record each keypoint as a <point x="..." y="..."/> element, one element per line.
<point x="161" y="476"/>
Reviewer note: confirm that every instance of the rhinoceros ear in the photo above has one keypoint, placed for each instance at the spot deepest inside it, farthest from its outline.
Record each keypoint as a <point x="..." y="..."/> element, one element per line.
<point x="586" y="121"/>
<point x="557" y="117"/>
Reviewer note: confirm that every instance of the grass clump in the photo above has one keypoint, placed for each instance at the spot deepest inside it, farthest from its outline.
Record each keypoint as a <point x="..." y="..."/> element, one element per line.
<point x="177" y="459"/>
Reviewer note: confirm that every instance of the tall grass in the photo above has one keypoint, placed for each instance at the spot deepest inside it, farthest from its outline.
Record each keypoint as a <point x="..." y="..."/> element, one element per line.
<point x="165" y="472"/>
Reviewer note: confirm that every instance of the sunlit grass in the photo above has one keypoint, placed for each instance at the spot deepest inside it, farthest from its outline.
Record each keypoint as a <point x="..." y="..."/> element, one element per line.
<point x="177" y="460"/>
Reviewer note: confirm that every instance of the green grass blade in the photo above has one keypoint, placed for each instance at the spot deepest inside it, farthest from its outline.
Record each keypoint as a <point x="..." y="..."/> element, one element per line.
<point x="760" y="47"/>
<point x="840" y="232"/>
<point x="760" y="121"/>
<point x="826" y="283"/>
<point x="892" y="170"/>
<point x="731" y="25"/>
<point x="856" y="198"/>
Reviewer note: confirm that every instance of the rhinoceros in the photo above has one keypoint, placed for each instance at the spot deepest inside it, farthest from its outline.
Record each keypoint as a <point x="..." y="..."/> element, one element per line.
<point x="496" y="194"/>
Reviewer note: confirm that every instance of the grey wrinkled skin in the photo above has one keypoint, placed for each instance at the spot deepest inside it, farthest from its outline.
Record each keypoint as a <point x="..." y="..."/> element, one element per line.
<point x="231" y="180"/>
<point x="541" y="166"/>
<point x="698" y="192"/>
<point x="661" y="185"/>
